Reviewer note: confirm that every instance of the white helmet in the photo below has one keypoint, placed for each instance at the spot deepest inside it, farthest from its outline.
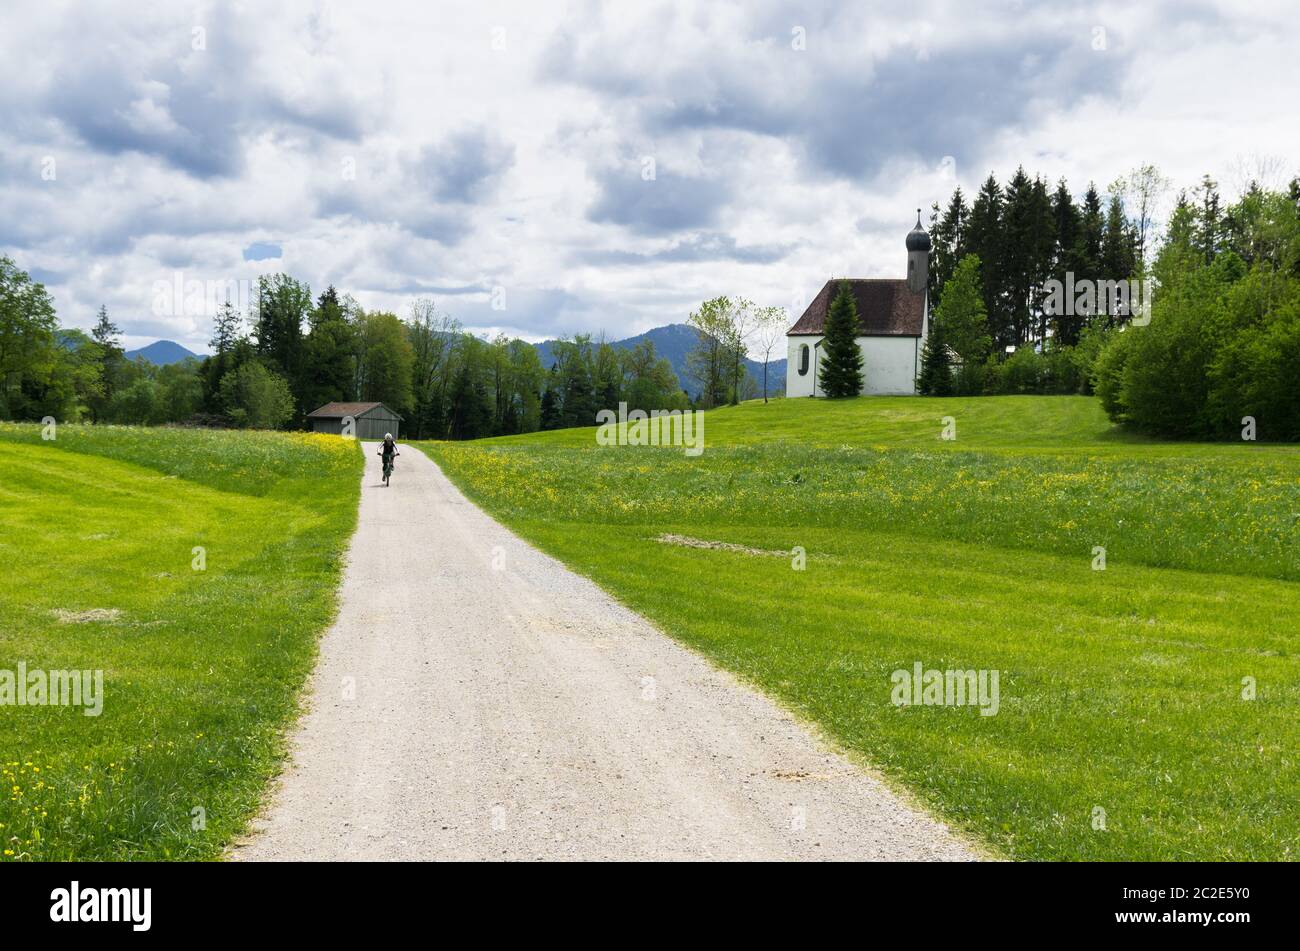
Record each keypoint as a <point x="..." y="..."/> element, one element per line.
<point x="388" y="437"/>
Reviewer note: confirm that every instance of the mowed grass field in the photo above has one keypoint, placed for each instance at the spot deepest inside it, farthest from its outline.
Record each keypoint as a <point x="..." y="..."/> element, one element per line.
<point x="201" y="668"/>
<point x="1124" y="729"/>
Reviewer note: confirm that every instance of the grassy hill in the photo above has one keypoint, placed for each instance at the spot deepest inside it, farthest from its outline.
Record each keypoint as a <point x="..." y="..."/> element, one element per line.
<point x="201" y="668"/>
<point x="1123" y="731"/>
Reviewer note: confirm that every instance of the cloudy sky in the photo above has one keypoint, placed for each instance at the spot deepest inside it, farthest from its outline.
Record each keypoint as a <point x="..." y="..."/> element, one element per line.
<point x="545" y="168"/>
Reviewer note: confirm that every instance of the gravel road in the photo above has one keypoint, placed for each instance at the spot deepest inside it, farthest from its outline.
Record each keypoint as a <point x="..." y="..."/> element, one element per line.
<point x="477" y="700"/>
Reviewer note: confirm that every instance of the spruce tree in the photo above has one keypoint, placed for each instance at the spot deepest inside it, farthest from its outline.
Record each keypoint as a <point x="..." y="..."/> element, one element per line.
<point x="1016" y="270"/>
<point x="105" y="332"/>
<point x="1209" y="216"/>
<point x="841" y="366"/>
<point x="225" y="329"/>
<point x="1091" y="231"/>
<point x="1042" y="254"/>
<point x="577" y="396"/>
<point x="986" y="236"/>
<point x="226" y="337"/>
<point x="1068" y="225"/>
<point x="1118" y="256"/>
<point x="551" y="417"/>
<point x="112" y="362"/>
<point x="948" y="235"/>
<point x="936" y="369"/>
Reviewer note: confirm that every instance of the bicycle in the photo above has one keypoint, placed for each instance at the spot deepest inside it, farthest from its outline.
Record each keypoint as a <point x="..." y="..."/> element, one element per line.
<point x="388" y="465"/>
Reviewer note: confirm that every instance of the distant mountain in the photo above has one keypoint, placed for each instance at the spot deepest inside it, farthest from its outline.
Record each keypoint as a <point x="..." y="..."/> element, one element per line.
<point x="162" y="353"/>
<point x="674" y="342"/>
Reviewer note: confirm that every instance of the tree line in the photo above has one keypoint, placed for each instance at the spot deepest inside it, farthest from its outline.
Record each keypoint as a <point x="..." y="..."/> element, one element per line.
<point x="1221" y="356"/>
<point x="293" y="353"/>
<point x="1220" y="341"/>
<point x="1025" y="235"/>
<point x="993" y="328"/>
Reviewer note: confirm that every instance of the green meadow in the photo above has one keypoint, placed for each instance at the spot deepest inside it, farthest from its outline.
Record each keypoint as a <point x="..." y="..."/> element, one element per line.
<point x="203" y="652"/>
<point x="1149" y="709"/>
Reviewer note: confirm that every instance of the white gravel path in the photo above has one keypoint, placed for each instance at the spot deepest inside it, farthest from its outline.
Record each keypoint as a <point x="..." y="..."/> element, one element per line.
<point x="506" y="708"/>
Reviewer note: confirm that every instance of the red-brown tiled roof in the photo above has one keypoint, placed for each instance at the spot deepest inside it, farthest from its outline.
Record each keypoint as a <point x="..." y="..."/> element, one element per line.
<point x="886" y="308"/>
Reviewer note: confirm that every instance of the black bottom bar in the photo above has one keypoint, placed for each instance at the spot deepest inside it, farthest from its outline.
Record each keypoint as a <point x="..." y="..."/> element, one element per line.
<point x="980" y="901"/>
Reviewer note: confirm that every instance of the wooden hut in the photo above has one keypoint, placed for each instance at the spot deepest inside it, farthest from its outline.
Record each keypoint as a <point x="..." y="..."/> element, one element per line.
<point x="368" y="420"/>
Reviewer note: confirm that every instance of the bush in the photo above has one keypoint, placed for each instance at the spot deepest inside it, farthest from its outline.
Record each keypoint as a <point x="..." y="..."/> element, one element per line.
<point x="1164" y="388"/>
<point x="1023" y="372"/>
<point x="972" y="378"/>
<point x="256" y="398"/>
<point x="1108" y="374"/>
<point x="1092" y="340"/>
<point x="137" y="404"/>
<point x="1166" y="376"/>
<point x="1061" y="374"/>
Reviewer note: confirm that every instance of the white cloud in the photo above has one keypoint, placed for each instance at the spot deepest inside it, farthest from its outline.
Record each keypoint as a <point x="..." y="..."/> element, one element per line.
<point x="402" y="149"/>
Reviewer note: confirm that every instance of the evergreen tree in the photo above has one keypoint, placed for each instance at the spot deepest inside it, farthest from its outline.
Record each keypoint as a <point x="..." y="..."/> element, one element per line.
<point x="1118" y="253"/>
<point x="1029" y="244"/>
<point x="1017" y="265"/>
<point x="225" y="329"/>
<point x="608" y="376"/>
<point x="1042" y="256"/>
<point x="1209" y="219"/>
<point x="551" y="416"/>
<point x="226" y="337"/>
<point x="1065" y="217"/>
<point x="1066" y="260"/>
<point x="948" y="241"/>
<point x="578" y="397"/>
<point x="577" y="394"/>
<point x="985" y="237"/>
<point x="840" y="373"/>
<point x="105" y="332"/>
<point x="1091" y="233"/>
<point x="470" y="403"/>
<point x="936" y="367"/>
<point x="112" y="360"/>
<point x="1180" y="253"/>
<point x="1293" y="195"/>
